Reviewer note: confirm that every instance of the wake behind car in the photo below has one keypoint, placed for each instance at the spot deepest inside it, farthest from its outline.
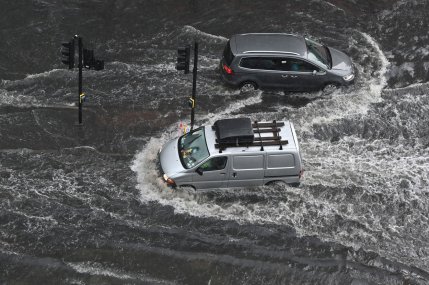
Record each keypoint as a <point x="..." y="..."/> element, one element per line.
<point x="283" y="61"/>
<point x="233" y="153"/>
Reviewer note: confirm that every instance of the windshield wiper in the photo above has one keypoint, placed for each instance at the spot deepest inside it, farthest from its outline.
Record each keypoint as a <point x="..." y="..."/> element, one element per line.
<point x="193" y="139"/>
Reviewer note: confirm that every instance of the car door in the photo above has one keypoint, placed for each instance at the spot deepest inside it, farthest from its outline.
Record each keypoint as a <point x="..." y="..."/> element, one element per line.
<point x="266" y="70"/>
<point x="212" y="173"/>
<point x="246" y="170"/>
<point x="302" y="75"/>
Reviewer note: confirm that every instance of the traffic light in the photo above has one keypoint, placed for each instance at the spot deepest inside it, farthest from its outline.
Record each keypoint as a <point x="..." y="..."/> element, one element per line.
<point x="90" y="62"/>
<point x="183" y="57"/>
<point x="88" y="58"/>
<point x="98" y="64"/>
<point x="68" y="53"/>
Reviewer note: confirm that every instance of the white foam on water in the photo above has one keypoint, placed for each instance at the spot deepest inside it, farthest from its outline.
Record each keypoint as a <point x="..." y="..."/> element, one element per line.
<point x="194" y="31"/>
<point x="21" y="92"/>
<point x="168" y="66"/>
<point x="46" y="74"/>
<point x="333" y="6"/>
<point x="97" y="269"/>
<point x="354" y="102"/>
<point x="422" y="87"/>
<point x="47" y="219"/>
<point x="14" y="98"/>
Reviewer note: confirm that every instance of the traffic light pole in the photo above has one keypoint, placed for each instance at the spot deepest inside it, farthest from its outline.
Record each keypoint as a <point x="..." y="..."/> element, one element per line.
<point x="194" y="83"/>
<point x="80" y="65"/>
<point x="86" y="59"/>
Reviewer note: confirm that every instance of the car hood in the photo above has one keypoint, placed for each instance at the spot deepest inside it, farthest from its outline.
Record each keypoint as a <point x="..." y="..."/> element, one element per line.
<point x="340" y="61"/>
<point x="169" y="158"/>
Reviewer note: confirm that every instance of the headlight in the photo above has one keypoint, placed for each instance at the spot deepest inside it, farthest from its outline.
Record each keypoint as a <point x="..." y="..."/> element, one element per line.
<point x="169" y="181"/>
<point x="349" y="77"/>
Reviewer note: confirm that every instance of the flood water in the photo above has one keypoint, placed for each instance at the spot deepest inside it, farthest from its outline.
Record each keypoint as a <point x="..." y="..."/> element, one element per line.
<point x="84" y="204"/>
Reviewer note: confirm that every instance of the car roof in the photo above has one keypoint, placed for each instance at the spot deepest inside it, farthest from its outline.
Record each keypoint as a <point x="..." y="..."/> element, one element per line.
<point x="268" y="43"/>
<point x="287" y="132"/>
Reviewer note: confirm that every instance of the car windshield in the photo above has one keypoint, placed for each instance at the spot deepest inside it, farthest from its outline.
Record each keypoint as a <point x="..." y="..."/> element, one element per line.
<point x="193" y="148"/>
<point x="318" y="53"/>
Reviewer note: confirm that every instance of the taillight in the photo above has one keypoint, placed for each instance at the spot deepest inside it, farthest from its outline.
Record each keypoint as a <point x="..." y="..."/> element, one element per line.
<point x="227" y="69"/>
<point x="301" y="173"/>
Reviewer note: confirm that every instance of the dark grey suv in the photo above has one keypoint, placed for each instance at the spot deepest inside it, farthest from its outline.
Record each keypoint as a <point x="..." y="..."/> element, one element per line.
<point x="284" y="61"/>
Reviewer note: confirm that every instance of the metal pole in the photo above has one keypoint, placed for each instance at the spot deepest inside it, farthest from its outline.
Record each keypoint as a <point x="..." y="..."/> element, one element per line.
<point x="194" y="83"/>
<point x="80" y="65"/>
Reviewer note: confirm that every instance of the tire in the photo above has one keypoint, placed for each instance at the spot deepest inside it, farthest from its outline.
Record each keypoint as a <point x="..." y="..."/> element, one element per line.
<point x="248" y="86"/>
<point x="276" y="183"/>
<point x="187" y="188"/>
<point x="330" y="88"/>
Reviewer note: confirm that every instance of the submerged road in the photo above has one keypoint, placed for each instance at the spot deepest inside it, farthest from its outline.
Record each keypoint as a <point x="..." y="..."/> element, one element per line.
<point x="85" y="205"/>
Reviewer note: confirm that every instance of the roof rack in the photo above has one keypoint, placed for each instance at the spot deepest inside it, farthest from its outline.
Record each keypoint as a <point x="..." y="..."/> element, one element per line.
<point x="241" y="133"/>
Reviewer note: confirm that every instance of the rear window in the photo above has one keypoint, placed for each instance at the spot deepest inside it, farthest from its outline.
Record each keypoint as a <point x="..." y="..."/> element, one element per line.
<point x="227" y="54"/>
<point x="281" y="160"/>
<point x="258" y="63"/>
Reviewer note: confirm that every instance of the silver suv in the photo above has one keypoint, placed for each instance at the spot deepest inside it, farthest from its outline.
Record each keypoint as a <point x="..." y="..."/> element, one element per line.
<point x="284" y="61"/>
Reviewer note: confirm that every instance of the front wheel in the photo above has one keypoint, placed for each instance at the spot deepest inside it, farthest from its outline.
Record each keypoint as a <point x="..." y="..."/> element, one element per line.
<point x="248" y="86"/>
<point x="187" y="188"/>
<point x="329" y="88"/>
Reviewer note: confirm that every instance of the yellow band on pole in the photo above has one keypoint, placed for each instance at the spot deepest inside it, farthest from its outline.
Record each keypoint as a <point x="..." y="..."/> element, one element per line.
<point x="81" y="97"/>
<point x="191" y="103"/>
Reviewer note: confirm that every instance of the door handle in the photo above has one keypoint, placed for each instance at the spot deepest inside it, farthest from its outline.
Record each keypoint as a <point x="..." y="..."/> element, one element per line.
<point x="285" y="76"/>
<point x="234" y="174"/>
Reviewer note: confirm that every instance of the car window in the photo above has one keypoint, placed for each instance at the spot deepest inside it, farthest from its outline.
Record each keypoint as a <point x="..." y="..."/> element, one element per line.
<point x="193" y="148"/>
<point x="277" y="63"/>
<point x="216" y="163"/>
<point x="318" y="53"/>
<point x="258" y="63"/>
<point x="297" y="65"/>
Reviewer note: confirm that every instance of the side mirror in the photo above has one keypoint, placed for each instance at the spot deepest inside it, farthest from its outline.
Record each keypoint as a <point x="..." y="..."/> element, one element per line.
<point x="314" y="72"/>
<point x="199" y="171"/>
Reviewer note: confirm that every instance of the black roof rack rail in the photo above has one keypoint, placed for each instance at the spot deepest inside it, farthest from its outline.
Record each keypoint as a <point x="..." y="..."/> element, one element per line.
<point x="236" y="133"/>
<point x="257" y="127"/>
<point x="223" y="146"/>
<point x="269" y="125"/>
